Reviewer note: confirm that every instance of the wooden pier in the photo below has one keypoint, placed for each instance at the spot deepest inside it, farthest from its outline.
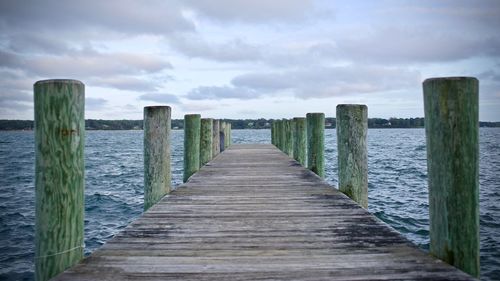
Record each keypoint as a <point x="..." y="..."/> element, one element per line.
<point x="253" y="213"/>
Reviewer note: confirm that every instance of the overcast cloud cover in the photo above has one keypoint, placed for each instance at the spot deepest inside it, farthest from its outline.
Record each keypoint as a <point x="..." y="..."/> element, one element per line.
<point x="247" y="59"/>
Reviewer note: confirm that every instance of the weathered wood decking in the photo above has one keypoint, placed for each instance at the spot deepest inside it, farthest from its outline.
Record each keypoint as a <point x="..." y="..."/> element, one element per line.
<point x="253" y="213"/>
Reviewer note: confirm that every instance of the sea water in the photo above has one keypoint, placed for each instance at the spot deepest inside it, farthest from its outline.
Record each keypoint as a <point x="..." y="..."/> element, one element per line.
<point x="114" y="188"/>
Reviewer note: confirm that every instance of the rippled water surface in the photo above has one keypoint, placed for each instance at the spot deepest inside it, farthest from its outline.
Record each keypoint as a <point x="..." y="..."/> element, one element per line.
<point x="114" y="188"/>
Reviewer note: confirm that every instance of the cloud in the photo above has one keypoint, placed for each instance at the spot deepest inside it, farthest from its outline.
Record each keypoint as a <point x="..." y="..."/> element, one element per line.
<point x="74" y="18"/>
<point x="37" y="43"/>
<point x="9" y="59"/>
<point x="223" y="92"/>
<point x="489" y="75"/>
<point x="159" y="97"/>
<point x="13" y="100"/>
<point x="13" y="107"/>
<point x="321" y="82"/>
<point x="95" y="104"/>
<point x="92" y="64"/>
<point x="123" y="71"/>
<point x="397" y="45"/>
<point x="85" y="63"/>
<point x="252" y="11"/>
<point x="314" y="82"/>
<point x="198" y="107"/>
<point x="128" y="83"/>
<point x="17" y="96"/>
<point x="195" y="46"/>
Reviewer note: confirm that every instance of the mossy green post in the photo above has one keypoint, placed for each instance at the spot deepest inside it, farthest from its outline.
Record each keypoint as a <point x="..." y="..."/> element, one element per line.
<point x="272" y="133"/>
<point x="452" y="134"/>
<point x="282" y="135"/>
<point x="288" y="149"/>
<point x="192" y="124"/>
<point x="352" y="127"/>
<point x="222" y="135"/>
<point x="300" y="140"/>
<point x="206" y="141"/>
<point x="215" y="138"/>
<point x="226" y="134"/>
<point x="59" y="175"/>
<point x="277" y="134"/>
<point x="285" y="140"/>
<point x="157" y="176"/>
<point x="229" y="133"/>
<point x="316" y="143"/>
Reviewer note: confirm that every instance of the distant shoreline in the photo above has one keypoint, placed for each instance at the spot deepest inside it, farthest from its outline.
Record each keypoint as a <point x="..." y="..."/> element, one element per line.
<point x="237" y="124"/>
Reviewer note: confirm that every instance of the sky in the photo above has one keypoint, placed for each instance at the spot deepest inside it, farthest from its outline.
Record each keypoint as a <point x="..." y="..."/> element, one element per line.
<point x="247" y="59"/>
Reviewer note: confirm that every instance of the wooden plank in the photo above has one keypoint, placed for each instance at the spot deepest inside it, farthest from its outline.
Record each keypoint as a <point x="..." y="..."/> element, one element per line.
<point x="253" y="213"/>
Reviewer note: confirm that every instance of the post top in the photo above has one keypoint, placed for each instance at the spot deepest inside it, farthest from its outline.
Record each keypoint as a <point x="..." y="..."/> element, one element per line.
<point x="157" y="107"/>
<point x="61" y="81"/>
<point x="453" y="78"/>
<point x="192" y="115"/>
<point x="351" y="105"/>
<point x="315" y="113"/>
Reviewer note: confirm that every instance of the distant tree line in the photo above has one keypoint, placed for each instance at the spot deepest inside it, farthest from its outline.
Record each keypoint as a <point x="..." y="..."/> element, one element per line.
<point x="94" y="124"/>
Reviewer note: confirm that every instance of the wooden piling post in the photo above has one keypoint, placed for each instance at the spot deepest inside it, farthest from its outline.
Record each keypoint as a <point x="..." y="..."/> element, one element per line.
<point x="275" y="126"/>
<point x="206" y="141"/>
<point x="228" y="135"/>
<point x="289" y="137"/>
<point x="300" y="140"/>
<point x="352" y="127"/>
<point x="316" y="143"/>
<point x="282" y="137"/>
<point x="452" y="135"/>
<point x="192" y="124"/>
<point x="283" y="131"/>
<point x="222" y="135"/>
<point x="278" y="134"/>
<point x="59" y="175"/>
<point x="272" y="134"/>
<point x="215" y="138"/>
<point x="157" y="176"/>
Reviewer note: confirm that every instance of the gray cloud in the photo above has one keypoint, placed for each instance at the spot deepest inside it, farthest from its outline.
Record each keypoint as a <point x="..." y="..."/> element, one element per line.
<point x="16" y="96"/>
<point x="113" y="70"/>
<point x="37" y="43"/>
<point x="159" y="97"/>
<point x="128" y="83"/>
<point x="489" y="75"/>
<point x="13" y="107"/>
<point x="74" y="17"/>
<point x="314" y="82"/>
<point x="85" y="63"/>
<point x="95" y="104"/>
<point x="89" y="64"/>
<point x="195" y="46"/>
<point x="395" y="45"/>
<point x="198" y="107"/>
<point x="252" y="11"/>
<point x="224" y="92"/>
<point x="13" y="101"/>
<point x="9" y="59"/>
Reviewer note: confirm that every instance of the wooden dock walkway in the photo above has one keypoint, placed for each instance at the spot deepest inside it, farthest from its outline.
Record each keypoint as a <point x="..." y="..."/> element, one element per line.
<point x="253" y="213"/>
